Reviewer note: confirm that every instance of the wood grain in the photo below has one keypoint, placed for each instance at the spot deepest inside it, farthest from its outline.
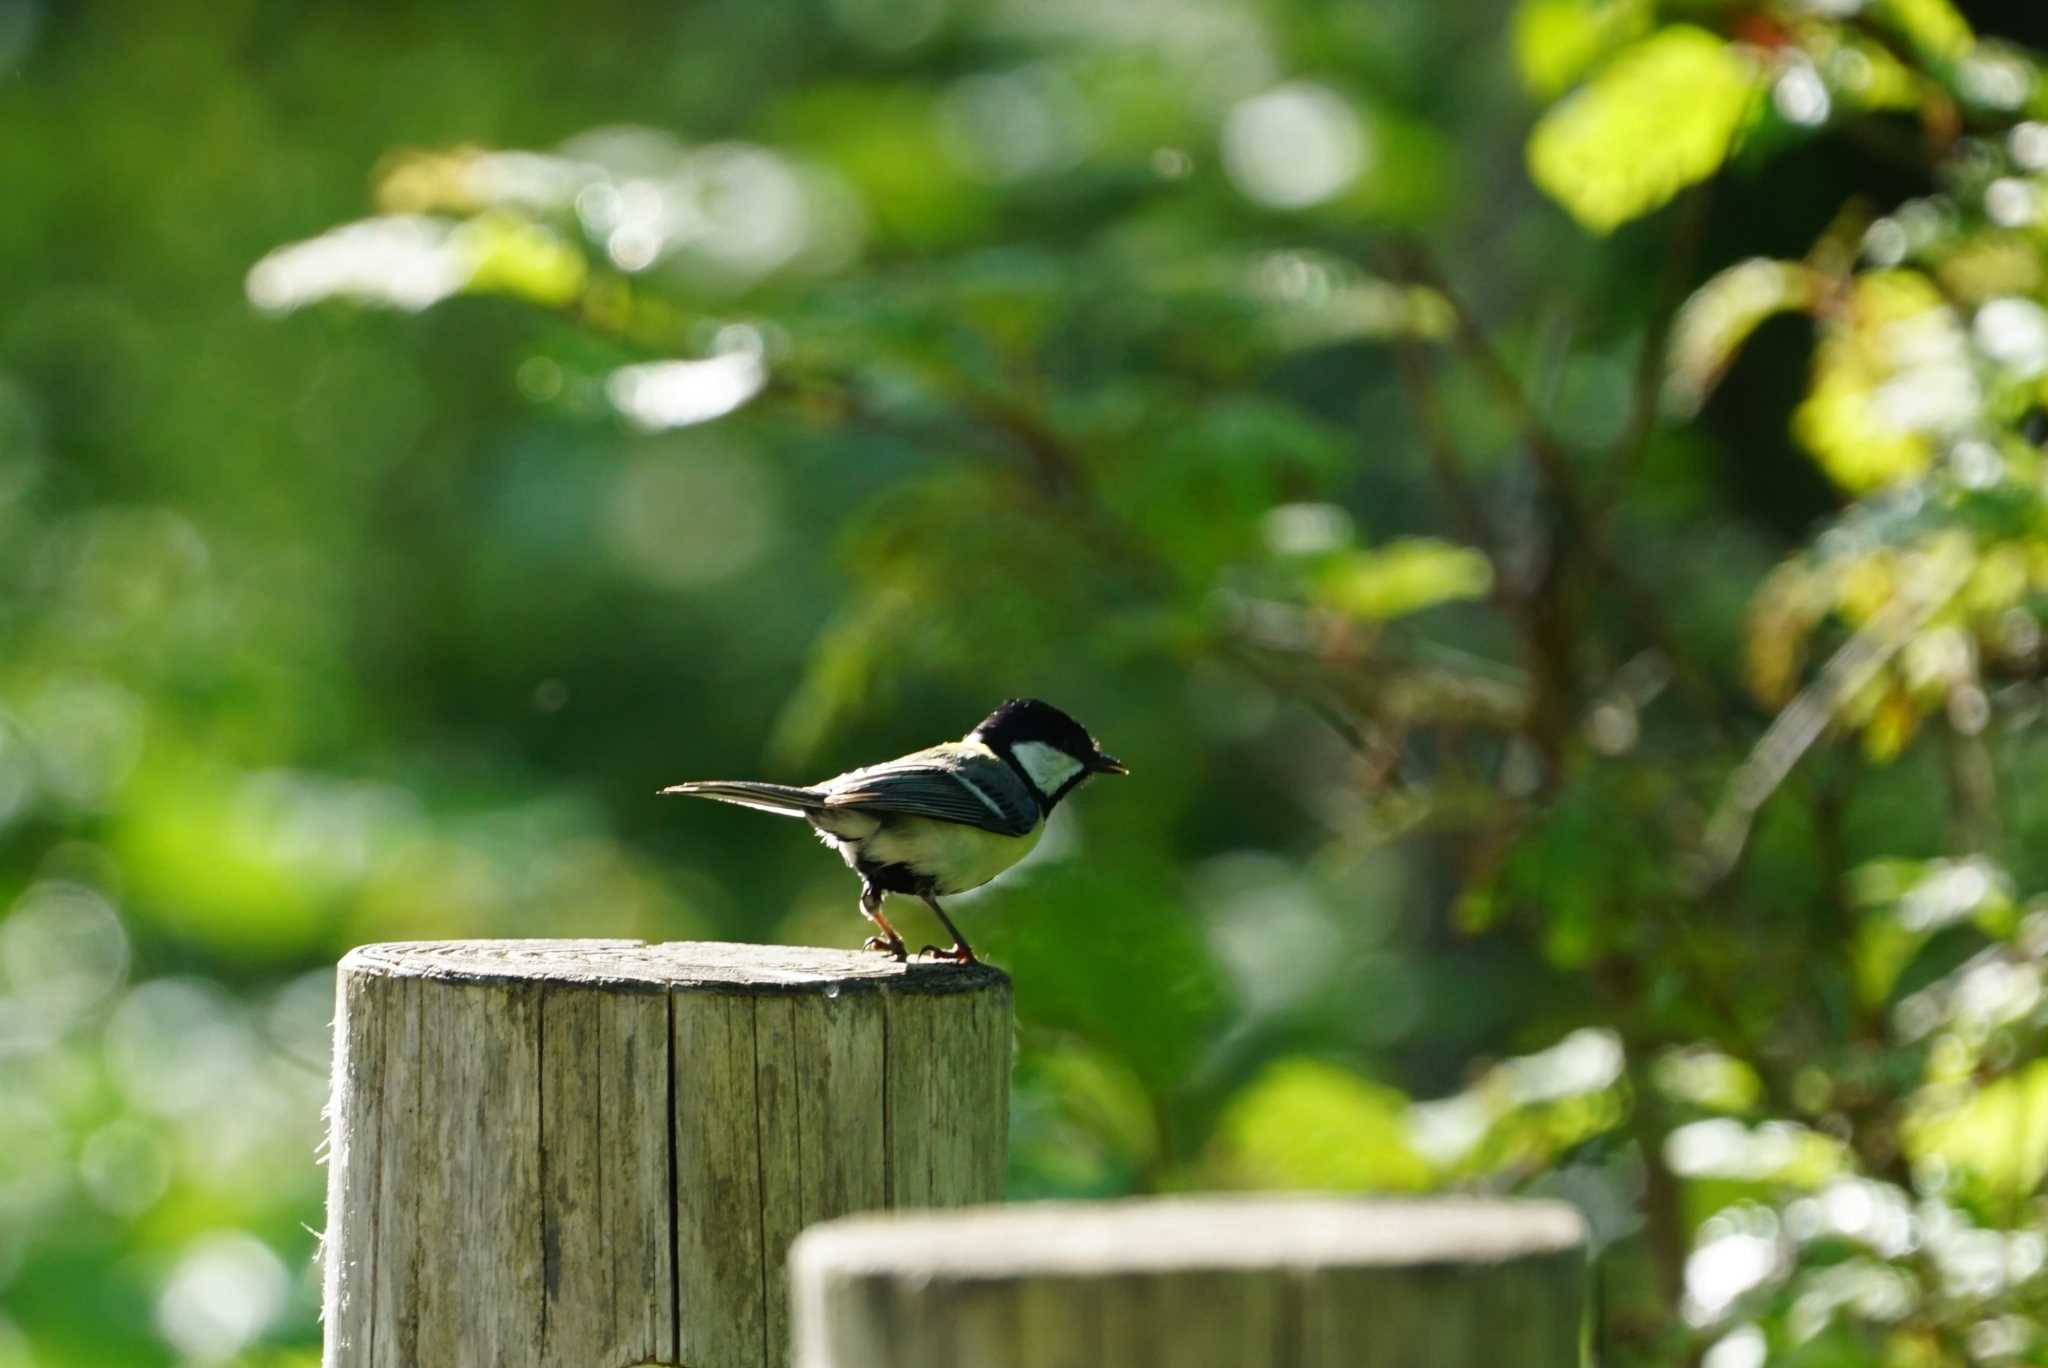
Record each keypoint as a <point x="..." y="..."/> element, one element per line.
<point x="1197" y="1283"/>
<point x="596" y="1153"/>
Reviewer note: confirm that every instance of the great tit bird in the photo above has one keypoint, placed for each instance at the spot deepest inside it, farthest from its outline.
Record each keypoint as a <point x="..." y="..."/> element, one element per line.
<point x="942" y="820"/>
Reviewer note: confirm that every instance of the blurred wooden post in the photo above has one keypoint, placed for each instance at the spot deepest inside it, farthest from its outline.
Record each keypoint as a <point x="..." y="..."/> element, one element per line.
<point x="595" y="1153"/>
<point x="1197" y="1283"/>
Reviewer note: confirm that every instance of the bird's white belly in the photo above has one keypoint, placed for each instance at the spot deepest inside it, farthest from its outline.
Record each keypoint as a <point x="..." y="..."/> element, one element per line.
<point x="959" y="857"/>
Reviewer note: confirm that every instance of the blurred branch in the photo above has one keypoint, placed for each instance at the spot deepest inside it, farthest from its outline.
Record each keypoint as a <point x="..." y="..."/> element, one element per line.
<point x="1973" y="779"/>
<point x="1580" y="531"/>
<point x="1336" y="719"/>
<point x="1831" y="846"/>
<point x="1800" y="724"/>
<point x="1446" y="461"/>
<point x="1394" y="699"/>
<point x="1532" y="610"/>
<point x="1056" y="472"/>
<point x="1414" y="264"/>
<point x="1651" y="362"/>
<point x="1398" y="690"/>
<point x="1663" y="1202"/>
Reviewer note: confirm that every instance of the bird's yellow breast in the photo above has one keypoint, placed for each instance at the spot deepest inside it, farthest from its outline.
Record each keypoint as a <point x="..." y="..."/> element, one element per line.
<point x="958" y="857"/>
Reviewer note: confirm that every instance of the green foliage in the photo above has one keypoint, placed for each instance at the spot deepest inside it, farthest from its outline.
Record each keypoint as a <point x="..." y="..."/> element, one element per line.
<point x="1306" y="1124"/>
<point x="1556" y="41"/>
<point x="1720" y="316"/>
<point x="1400" y="578"/>
<point x="1892" y="321"/>
<point x="1582" y="672"/>
<point x="1936" y="32"/>
<point x="1661" y="115"/>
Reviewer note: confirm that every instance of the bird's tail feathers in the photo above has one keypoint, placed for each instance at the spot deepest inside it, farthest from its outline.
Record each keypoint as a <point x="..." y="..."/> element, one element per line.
<point x="784" y="800"/>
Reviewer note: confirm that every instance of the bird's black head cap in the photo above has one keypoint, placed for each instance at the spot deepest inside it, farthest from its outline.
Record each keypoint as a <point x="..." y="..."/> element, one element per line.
<point x="1027" y="719"/>
<point x="1022" y="720"/>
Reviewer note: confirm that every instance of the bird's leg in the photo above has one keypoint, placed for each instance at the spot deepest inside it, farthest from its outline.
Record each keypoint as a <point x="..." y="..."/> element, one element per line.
<point x="962" y="952"/>
<point x="871" y="908"/>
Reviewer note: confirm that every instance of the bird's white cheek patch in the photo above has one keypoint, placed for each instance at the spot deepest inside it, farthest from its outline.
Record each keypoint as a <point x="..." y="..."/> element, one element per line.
<point x="1048" y="766"/>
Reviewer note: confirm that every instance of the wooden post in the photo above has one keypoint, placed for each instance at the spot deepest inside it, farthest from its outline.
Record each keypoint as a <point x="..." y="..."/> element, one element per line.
<point x="595" y="1153"/>
<point x="1259" y="1282"/>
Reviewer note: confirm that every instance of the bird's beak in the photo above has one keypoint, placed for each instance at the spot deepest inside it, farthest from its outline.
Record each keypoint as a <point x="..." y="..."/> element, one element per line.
<point x="1104" y="763"/>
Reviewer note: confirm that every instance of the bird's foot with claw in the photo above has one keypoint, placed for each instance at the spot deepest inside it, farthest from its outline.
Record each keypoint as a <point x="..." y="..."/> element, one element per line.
<point x="958" y="954"/>
<point x="895" y="948"/>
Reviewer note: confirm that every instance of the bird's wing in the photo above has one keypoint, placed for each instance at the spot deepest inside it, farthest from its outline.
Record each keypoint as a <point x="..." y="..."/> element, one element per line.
<point x="951" y="783"/>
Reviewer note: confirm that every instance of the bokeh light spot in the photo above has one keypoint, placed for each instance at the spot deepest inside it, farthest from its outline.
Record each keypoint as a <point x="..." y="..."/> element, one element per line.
<point x="178" y="1046"/>
<point x="63" y="952"/>
<point x="406" y="261"/>
<point x="687" y="517"/>
<point x="221" y="1295"/>
<point x="1294" y="146"/>
<point x="1800" y="95"/>
<point x="2014" y="333"/>
<point x="672" y="394"/>
<point x="125" y="1166"/>
<point x="86" y="732"/>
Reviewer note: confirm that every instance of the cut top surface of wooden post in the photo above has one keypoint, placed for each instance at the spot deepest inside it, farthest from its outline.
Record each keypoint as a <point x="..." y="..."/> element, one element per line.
<point x="1215" y="1232"/>
<point x="596" y="1152"/>
<point x="661" y="966"/>
<point x="1209" y="1282"/>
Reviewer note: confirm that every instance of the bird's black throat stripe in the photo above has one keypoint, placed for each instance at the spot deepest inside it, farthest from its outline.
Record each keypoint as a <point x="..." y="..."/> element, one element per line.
<point x="1038" y="795"/>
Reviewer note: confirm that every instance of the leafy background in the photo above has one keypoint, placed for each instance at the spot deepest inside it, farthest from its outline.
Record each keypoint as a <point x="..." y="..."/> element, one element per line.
<point x="1548" y="498"/>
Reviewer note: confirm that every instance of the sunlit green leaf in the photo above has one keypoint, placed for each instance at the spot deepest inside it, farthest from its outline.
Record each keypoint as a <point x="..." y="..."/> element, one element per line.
<point x="1997" y="1133"/>
<point x="1082" y="1123"/>
<point x="1525" y="1111"/>
<point x="1863" y="72"/>
<point x="1402" y="577"/>
<point x="1106" y="1097"/>
<point x="1905" y="902"/>
<point x="1883" y="948"/>
<point x="1557" y="40"/>
<point x="1662" y="115"/>
<point x="1936" y="30"/>
<point x="513" y="256"/>
<point x="1306" y="1124"/>
<point x="890" y="144"/>
<point x="211" y="869"/>
<point x="1719" y="318"/>
<point x="1782" y="614"/>
<point x="1708" y="1079"/>
<point x="1891" y="372"/>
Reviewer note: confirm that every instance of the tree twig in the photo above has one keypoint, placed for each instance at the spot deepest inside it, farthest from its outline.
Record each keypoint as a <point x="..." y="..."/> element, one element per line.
<point x="1445" y="460"/>
<point x="1651" y="361"/>
<point x="1802" y="720"/>
<point x="1973" y="779"/>
<point x="1581" y="531"/>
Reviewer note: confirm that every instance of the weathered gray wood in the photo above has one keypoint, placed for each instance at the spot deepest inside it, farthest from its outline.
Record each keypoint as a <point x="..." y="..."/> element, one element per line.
<point x="355" y="1122"/>
<point x="394" y="1332"/>
<point x="596" y="1153"/>
<point x="605" y="1230"/>
<point x="477" y="1201"/>
<point x="779" y="1081"/>
<point x="1270" y="1282"/>
<point x="720" y="1262"/>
